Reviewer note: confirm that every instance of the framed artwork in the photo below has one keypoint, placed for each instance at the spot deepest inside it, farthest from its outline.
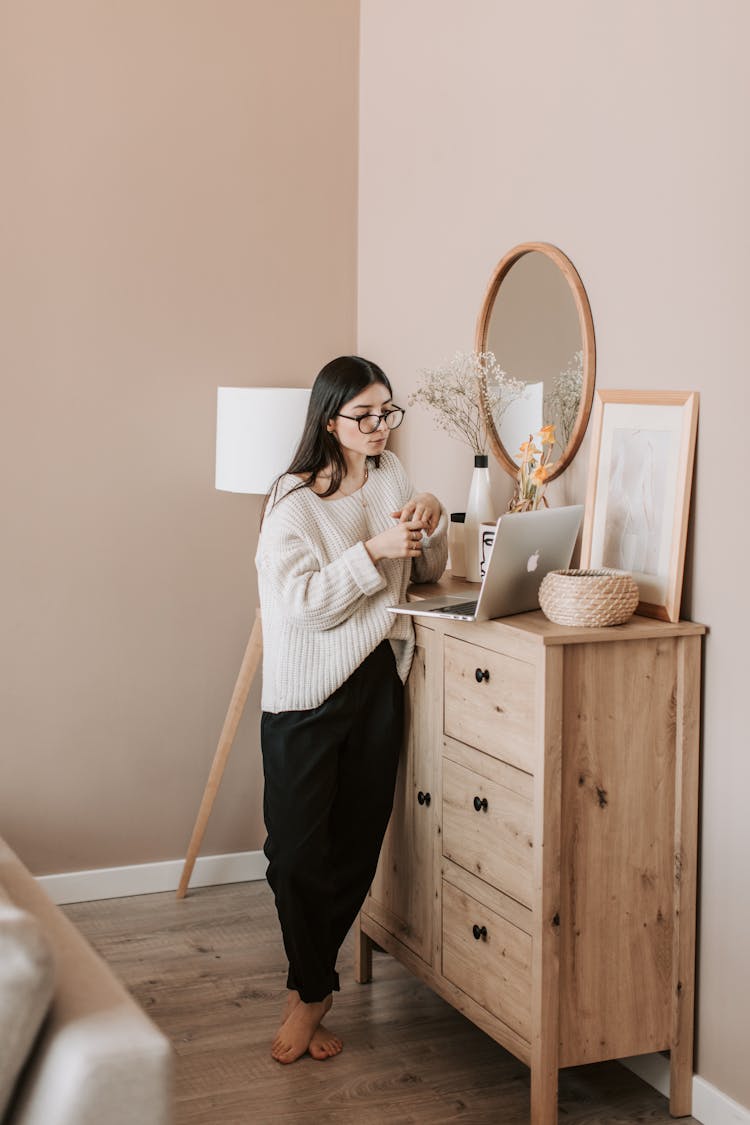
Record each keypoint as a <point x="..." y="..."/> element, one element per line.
<point x="638" y="498"/>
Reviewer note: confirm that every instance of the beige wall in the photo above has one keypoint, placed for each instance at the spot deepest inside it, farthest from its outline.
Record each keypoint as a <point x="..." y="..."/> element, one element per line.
<point x="619" y="132"/>
<point x="177" y="211"/>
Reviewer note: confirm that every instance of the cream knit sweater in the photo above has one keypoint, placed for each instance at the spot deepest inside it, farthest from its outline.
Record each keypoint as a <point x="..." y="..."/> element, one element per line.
<point x="323" y="600"/>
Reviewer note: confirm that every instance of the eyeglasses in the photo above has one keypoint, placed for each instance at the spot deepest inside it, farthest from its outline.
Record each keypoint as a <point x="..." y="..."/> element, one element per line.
<point x="369" y="423"/>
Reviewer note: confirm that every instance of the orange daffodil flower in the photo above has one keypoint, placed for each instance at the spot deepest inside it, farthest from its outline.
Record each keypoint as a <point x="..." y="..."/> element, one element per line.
<point x="527" y="449"/>
<point x="532" y="473"/>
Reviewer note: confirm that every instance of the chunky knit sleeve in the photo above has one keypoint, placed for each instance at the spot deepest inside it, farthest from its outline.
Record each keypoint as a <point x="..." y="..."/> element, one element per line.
<point x="431" y="563"/>
<point x="312" y="595"/>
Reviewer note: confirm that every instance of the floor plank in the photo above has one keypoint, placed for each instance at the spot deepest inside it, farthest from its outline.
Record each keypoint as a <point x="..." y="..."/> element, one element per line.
<point x="210" y="971"/>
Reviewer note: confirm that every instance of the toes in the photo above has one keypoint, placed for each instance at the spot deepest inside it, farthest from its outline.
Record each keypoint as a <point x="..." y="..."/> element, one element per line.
<point x="321" y="1054"/>
<point x="285" y="1053"/>
<point x="324" y="1051"/>
<point x="324" y="1044"/>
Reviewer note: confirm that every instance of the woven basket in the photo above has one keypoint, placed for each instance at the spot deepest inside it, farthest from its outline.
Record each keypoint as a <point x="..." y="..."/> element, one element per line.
<point x="588" y="597"/>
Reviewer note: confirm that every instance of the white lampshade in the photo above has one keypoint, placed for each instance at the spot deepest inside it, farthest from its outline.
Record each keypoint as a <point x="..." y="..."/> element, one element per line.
<point x="257" y="431"/>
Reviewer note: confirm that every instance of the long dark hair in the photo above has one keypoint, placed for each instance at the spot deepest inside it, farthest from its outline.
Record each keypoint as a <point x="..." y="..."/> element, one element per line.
<point x="336" y="384"/>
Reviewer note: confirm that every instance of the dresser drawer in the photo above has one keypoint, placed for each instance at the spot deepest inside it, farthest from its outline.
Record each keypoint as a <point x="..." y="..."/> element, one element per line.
<point x="488" y="958"/>
<point x="488" y="830"/>
<point x="490" y="702"/>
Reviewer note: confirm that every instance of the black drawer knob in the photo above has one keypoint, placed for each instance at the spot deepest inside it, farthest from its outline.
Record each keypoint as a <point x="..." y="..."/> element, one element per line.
<point x="479" y="932"/>
<point x="480" y="675"/>
<point x="424" y="798"/>
<point x="480" y="804"/>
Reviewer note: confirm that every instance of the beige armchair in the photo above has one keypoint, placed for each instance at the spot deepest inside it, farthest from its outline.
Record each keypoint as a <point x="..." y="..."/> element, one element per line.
<point x="96" y="1058"/>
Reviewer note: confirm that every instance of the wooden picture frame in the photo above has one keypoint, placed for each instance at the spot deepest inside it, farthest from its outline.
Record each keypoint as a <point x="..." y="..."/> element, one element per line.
<point x="638" y="497"/>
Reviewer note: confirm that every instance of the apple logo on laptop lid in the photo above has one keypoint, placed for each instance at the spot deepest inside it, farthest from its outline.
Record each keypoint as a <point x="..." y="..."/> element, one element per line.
<point x="533" y="561"/>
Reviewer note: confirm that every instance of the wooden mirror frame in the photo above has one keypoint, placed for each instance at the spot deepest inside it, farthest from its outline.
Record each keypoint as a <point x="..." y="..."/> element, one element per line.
<point x="586" y="325"/>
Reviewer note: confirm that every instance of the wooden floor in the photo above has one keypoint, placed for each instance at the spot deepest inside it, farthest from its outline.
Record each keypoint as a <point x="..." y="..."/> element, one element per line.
<point x="210" y="972"/>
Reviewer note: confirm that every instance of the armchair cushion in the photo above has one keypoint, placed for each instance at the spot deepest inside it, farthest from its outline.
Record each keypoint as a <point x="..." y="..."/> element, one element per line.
<point x="27" y="982"/>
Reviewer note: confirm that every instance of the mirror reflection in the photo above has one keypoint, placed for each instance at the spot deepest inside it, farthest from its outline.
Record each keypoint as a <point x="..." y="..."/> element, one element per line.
<point x="535" y="335"/>
<point x="536" y="320"/>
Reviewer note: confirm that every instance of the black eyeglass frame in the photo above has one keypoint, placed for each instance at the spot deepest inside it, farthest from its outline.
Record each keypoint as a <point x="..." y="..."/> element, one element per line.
<point x="358" y="418"/>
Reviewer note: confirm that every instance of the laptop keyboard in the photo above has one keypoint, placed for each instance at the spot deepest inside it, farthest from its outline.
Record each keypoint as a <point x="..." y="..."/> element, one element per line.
<point x="459" y="607"/>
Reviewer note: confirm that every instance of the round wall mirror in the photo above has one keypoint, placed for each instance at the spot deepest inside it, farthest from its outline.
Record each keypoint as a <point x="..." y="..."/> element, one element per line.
<point x="536" y="319"/>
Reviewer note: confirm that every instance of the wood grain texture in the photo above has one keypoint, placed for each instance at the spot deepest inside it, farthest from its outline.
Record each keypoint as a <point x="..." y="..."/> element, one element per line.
<point x="518" y="635"/>
<point x="245" y="677"/>
<point x="687" y="739"/>
<point x="495" y="841"/>
<point x="500" y="773"/>
<point x="402" y="896"/>
<point x="362" y="954"/>
<point x="494" y="969"/>
<point x="587" y="839"/>
<point x="481" y="891"/>
<point x="495" y="714"/>
<point x="617" y="868"/>
<point x="435" y="680"/>
<point x="545" y="969"/>
<point x="500" y="1031"/>
<point x="209" y="971"/>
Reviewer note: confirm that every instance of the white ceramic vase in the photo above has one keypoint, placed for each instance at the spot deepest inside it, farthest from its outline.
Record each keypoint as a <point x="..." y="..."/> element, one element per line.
<point x="479" y="510"/>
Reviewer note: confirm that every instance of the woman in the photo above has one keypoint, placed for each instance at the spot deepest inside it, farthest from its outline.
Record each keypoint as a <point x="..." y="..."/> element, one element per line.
<point x="341" y="538"/>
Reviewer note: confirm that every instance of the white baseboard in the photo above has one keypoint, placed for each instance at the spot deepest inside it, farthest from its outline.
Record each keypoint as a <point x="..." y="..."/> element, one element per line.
<point x="714" y="1108"/>
<point x="710" y="1105"/>
<point x="149" y="878"/>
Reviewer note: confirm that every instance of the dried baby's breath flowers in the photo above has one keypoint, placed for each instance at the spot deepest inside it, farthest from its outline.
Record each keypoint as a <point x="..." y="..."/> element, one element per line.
<point x="564" y="399"/>
<point x="467" y="394"/>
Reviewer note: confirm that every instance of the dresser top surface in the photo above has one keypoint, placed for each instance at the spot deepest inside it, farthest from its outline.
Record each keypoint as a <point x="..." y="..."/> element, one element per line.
<point x="536" y="625"/>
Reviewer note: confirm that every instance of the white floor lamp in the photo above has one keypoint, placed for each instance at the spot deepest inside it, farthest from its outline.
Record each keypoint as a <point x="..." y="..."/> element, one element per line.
<point x="257" y="431"/>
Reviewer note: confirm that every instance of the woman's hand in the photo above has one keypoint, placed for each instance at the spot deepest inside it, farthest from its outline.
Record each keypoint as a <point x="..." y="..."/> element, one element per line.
<point x="404" y="541"/>
<point x="424" y="508"/>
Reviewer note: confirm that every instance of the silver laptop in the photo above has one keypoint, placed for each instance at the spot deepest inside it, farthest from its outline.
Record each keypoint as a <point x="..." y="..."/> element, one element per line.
<point x="527" y="546"/>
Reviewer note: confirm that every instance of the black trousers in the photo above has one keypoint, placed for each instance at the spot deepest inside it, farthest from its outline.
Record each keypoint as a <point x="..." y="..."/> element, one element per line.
<point x="330" y="774"/>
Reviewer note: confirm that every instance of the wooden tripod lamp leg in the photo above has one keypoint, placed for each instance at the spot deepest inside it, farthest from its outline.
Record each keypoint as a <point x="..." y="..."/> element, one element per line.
<point x="248" y="668"/>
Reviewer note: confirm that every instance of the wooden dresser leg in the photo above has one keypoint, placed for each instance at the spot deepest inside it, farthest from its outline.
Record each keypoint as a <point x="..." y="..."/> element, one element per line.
<point x="543" y="1095"/>
<point x="545" y="968"/>
<point x="681" y="1081"/>
<point x="685" y="877"/>
<point x="362" y="954"/>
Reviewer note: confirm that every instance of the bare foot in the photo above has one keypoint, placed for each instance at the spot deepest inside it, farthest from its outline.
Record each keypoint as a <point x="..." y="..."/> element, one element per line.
<point x="292" y="1000"/>
<point x="297" y="1030"/>
<point x="324" y="1044"/>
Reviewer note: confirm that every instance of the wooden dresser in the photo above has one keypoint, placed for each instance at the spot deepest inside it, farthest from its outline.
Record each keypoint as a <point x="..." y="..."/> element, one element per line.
<point x="539" y="871"/>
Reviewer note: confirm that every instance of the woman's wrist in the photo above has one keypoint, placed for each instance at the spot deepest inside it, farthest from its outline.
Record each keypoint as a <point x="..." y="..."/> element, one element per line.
<point x="372" y="550"/>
